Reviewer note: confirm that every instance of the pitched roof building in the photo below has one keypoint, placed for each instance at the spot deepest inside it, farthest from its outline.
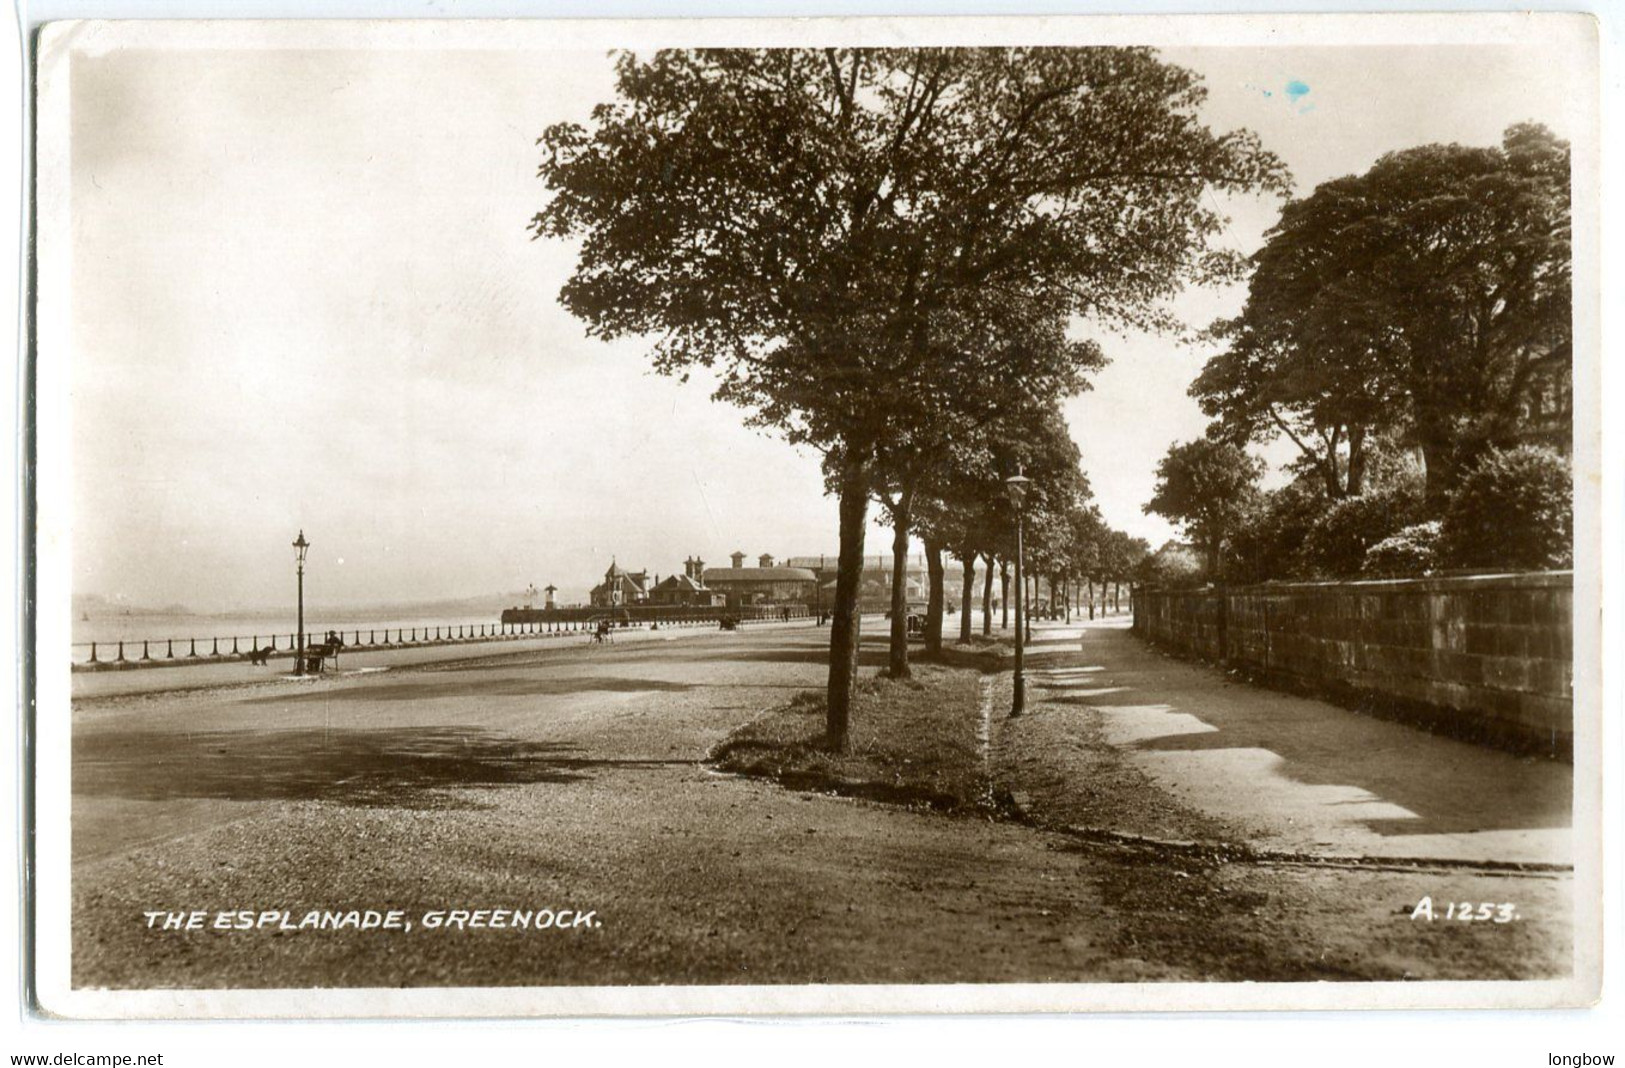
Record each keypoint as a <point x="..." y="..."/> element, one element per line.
<point x="621" y="587"/>
<point x="763" y="584"/>
<point x="687" y="589"/>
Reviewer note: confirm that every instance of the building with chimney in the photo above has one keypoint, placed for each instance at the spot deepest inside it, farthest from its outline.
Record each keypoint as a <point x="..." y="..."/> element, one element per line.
<point x="621" y="588"/>
<point x="764" y="584"/>
<point x="687" y="590"/>
<point x="874" y="588"/>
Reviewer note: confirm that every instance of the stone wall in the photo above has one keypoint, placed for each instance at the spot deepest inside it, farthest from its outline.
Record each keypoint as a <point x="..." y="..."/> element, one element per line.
<point x="1492" y="651"/>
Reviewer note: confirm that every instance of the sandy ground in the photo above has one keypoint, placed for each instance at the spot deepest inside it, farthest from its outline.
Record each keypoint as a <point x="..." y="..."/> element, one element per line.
<point x="573" y="778"/>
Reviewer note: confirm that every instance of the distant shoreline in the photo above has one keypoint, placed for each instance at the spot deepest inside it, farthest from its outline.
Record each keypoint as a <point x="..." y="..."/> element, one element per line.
<point x="100" y="610"/>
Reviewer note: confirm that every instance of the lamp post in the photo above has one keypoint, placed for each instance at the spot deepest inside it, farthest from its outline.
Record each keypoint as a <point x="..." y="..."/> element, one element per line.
<point x="818" y="589"/>
<point x="300" y="547"/>
<point x="1016" y="487"/>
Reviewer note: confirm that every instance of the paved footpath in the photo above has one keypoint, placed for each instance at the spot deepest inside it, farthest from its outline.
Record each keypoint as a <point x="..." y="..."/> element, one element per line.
<point x="1287" y="773"/>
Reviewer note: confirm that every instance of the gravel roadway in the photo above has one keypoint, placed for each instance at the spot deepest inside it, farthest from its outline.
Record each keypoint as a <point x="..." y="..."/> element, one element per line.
<point x="573" y="778"/>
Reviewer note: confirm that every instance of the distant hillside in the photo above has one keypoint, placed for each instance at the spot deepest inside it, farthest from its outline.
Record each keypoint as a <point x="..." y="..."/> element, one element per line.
<point x="95" y="605"/>
<point x="450" y="606"/>
<point x="99" y="607"/>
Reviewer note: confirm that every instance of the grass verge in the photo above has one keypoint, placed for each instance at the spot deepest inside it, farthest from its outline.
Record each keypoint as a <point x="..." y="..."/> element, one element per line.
<point x="919" y="741"/>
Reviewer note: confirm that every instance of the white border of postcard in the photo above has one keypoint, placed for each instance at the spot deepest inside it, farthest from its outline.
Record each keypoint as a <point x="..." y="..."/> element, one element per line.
<point x="1577" y="34"/>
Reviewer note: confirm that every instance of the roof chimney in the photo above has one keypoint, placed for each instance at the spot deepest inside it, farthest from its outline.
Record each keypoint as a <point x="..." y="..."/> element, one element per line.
<point x="738" y="558"/>
<point x="765" y="560"/>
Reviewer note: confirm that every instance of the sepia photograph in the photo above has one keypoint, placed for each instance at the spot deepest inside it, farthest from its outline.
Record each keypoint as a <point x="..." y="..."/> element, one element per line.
<point x="543" y="518"/>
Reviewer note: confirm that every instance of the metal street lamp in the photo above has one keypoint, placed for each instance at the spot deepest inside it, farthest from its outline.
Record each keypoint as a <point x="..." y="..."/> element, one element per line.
<point x="1016" y="486"/>
<point x="300" y="547"/>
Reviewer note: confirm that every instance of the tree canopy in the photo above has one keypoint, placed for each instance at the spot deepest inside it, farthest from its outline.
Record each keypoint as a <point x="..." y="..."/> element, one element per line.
<point x="1208" y="487"/>
<point x="1429" y="296"/>
<point x="817" y="224"/>
<point x="839" y="235"/>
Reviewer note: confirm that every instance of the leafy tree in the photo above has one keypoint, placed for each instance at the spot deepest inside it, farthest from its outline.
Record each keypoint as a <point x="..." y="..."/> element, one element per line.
<point x="1086" y="550"/>
<point x="1207" y="487"/>
<point x="1429" y="295"/>
<point x="1123" y="556"/>
<point x="1269" y="544"/>
<point x="1030" y="347"/>
<point x="818" y="227"/>
<point x="956" y="518"/>
<point x="1514" y="510"/>
<point x="968" y="510"/>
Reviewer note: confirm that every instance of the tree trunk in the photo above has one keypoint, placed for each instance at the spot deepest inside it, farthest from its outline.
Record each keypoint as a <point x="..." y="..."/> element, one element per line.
<point x="967" y="597"/>
<point x="898" y="660"/>
<point x="1334" y="475"/>
<point x="1004" y="595"/>
<point x="845" y="620"/>
<point x="987" y="596"/>
<point x="1356" y="485"/>
<point x="967" y="594"/>
<point x="1090" y="595"/>
<point x="897" y="657"/>
<point x="934" y="600"/>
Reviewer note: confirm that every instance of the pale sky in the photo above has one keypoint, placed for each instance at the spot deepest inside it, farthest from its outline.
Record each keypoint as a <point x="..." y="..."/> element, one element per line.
<point x="304" y="296"/>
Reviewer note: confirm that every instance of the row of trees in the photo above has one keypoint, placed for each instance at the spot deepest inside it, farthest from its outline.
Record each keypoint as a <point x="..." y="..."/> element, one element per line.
<point x="881" y="255"/>
<point x="969" y="516"/>
<point x="1408" y="331"/>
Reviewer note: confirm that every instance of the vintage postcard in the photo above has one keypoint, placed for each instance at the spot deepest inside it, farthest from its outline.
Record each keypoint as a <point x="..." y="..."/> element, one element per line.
<point x="543" y="518"/>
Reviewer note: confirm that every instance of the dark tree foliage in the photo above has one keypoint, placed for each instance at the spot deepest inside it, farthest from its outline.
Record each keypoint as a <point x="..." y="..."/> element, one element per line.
<point x="1269" y="543"/>
<point x="828" y="231"/>
<point x="1033" y="355"/>
<point x="1430" y="295"/>
<point x="1514" y="510"/>
<point x="968" y="510"/>
<point x="1208" y="487"/>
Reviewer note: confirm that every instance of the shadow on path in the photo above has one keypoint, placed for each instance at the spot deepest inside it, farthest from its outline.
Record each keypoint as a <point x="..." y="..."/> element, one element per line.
<point x="1245" y="741"/>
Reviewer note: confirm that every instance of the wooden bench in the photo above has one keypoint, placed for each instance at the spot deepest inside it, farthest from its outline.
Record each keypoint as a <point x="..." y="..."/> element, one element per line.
<point x="317" y="656"/>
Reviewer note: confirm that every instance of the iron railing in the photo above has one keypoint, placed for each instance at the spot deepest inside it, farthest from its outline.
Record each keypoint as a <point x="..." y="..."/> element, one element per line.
<point x="169" y="652"/>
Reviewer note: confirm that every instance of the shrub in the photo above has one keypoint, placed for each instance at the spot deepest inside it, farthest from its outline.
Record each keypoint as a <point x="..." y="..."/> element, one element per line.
<point x="1411" y="553"/>
<point x="1337" y="543"/>
<point x="1173" y="566"/>
<point x="1514" y="510"/>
